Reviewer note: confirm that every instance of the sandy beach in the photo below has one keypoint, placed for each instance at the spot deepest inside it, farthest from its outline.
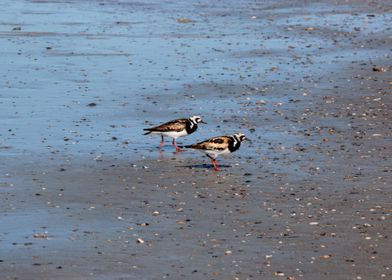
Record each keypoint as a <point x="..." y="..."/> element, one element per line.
<point x="85" y="195"/>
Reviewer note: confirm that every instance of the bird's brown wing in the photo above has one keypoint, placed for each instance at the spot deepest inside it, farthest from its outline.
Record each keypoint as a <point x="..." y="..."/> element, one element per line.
<point x="216" y="143"/>
<point x="175" y="125"/>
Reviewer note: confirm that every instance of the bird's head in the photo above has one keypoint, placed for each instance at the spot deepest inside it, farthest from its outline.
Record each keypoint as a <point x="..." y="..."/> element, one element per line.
<point x="240" y="136"/>
<point x="197" y="119"/>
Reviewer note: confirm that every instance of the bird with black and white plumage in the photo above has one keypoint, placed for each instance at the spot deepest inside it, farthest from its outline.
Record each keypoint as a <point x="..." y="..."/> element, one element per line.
<point x="219" y="145"/>
<point x="175" y="128"/>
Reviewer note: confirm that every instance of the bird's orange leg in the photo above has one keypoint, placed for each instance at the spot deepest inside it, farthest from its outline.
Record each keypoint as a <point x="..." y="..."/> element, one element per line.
<point x="178" y="149"/>
<point x="162" y="142"/>
<point x="215" y="164"/>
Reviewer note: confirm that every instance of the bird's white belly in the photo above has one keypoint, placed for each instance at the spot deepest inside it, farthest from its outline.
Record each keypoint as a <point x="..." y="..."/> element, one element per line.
<point x="215" y="154"/>
<point x="174" y="134"/>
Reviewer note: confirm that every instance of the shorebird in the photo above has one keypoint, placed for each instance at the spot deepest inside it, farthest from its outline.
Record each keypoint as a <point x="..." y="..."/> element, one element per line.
<point x="220" y="145"/>
<point x="175" y="128"/>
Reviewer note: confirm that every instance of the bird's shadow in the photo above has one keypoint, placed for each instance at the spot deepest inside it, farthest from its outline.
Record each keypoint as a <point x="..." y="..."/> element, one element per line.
<point x="204" y="166"/>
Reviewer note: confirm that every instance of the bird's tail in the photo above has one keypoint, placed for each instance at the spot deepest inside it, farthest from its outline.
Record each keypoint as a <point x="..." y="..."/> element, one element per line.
<point x="148" y="131"/>
<point x="186" y="147"/>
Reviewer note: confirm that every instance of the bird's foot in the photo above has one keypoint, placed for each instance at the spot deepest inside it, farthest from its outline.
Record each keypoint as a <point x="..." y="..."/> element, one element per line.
<point x="215" y="164"/>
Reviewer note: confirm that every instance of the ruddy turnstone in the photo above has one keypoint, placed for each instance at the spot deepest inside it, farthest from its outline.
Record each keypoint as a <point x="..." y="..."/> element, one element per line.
<point x="220" y="145"/>
<point x="176" y="128"/>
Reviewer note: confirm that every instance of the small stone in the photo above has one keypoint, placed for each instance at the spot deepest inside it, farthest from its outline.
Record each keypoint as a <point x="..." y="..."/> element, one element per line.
<point x="140" y="241"/>
<point x="184" y="20"/>
<point x="325" y="257"/>
<point x="40" y="235"/>
<point x="379" y="69"/>
<point x="155" y="213"/>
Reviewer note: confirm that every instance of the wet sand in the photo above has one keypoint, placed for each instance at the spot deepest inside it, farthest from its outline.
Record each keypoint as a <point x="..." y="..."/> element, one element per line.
<point x="84" y="195"/>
